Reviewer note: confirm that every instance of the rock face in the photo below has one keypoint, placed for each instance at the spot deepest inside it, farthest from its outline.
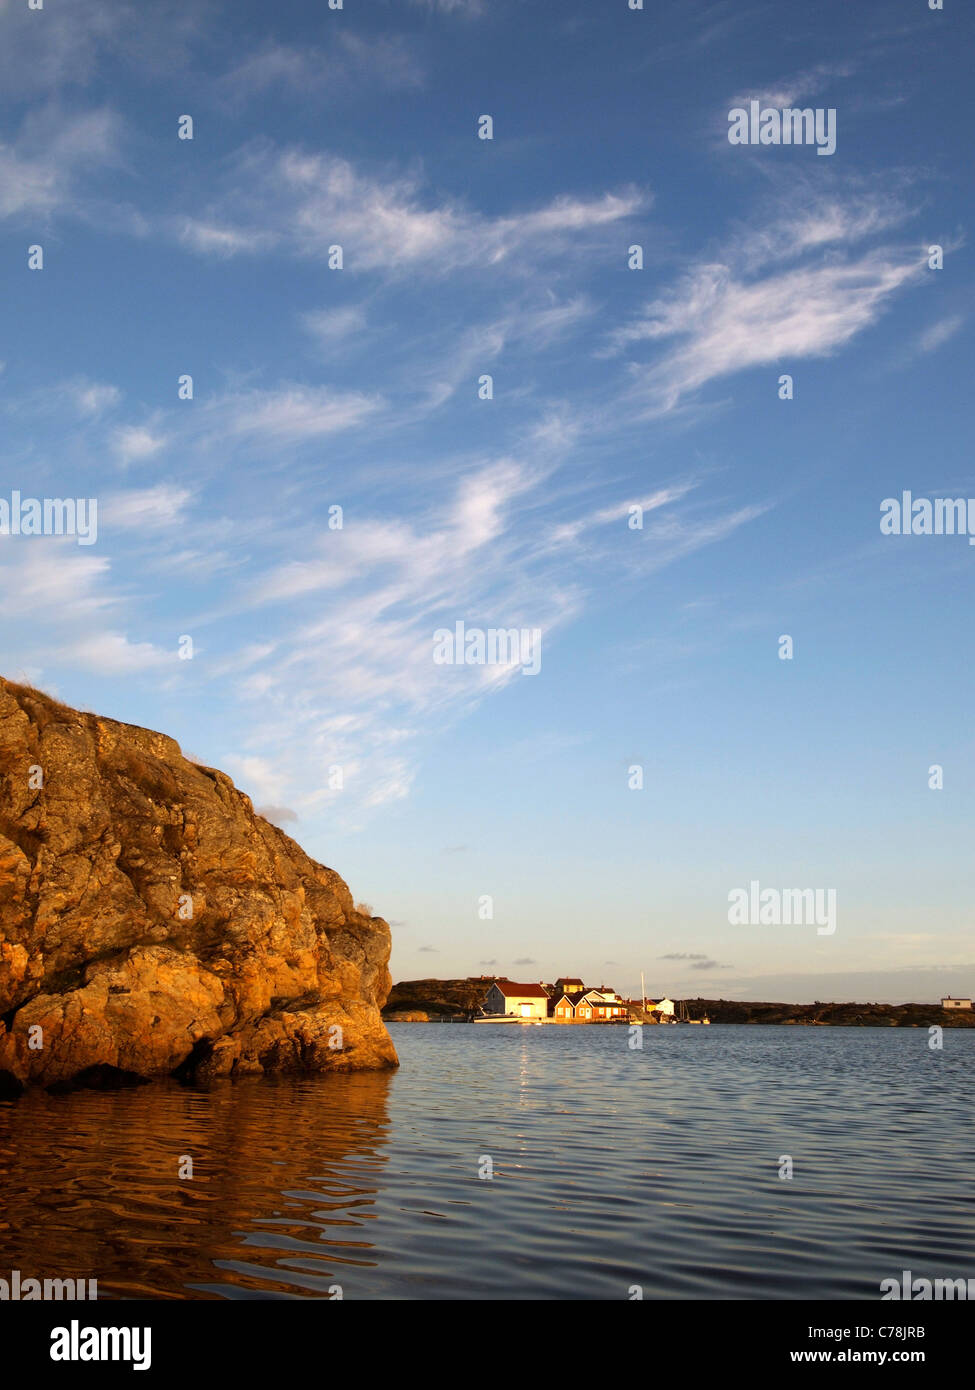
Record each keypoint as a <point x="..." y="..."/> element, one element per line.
<point x="151" y="923"/>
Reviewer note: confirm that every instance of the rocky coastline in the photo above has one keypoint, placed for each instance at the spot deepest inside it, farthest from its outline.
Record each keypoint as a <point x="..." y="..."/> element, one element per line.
<point x="152" y="924"/>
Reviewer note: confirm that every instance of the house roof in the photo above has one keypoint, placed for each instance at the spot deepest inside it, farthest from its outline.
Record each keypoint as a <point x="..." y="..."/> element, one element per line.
<point x="510" y="989"/>
<point x="571" y="980"/>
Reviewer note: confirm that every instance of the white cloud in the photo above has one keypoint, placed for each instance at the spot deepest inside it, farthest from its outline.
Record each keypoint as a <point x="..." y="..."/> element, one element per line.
<point x="355" y="612"/>
<point x="744" y="309"/>
<point x="52" y="578"/>
<point x="813" y="221"/>
<point x="309" y="202"/>
<point x="790" y="90"/>
<point x="239" y="661"/>
<point x="92" y="398"/>
<point x="394" y="785"/>
<point x="112" y="654"/>
<point x="569" y="532"/>
<point x="349" y="62"/>
<point x="62" y="592"/>
<point x="477" y="515"/>
<point x="471" y="8"/>
<point x="532" y="326"/>
<point x="256" y="777"/>
<point x="39" y="170"/>
<point x="145" y="509"/>
<point x="939" y="333"/>
<point x="67" y="45"/>
<point x="86" y="399"/>
<point x="25" y="186"/>
<point x="294" y="413"/>
<point x="209" y="239"/>
<point x="716" y="323"/>
<point x="135" y="444"/>
<point x="331" y="326"/>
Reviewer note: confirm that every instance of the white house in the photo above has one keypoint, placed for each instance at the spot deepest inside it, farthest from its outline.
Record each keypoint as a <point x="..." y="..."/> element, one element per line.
<point x="516" y="1000"/>
<point x="663" y="1006"/>
<point x="950" y="1003"/>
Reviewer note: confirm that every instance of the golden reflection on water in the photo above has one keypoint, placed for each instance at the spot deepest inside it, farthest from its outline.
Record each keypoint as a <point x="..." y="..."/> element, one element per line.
<point x="285" y="1178"/>
<point x="611" y="1167"/>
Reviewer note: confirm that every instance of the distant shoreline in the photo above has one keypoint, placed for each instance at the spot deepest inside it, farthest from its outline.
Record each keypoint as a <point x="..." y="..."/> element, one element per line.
<point x="432" y="1001"/>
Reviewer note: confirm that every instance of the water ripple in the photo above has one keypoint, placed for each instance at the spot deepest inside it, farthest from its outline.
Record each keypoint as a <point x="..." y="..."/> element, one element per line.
<point x="612" y="1167"/>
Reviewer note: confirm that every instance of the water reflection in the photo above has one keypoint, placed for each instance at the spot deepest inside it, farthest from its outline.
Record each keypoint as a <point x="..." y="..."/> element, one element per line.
<point x="610" y="1167"/>
<point x="285" y="1176"/>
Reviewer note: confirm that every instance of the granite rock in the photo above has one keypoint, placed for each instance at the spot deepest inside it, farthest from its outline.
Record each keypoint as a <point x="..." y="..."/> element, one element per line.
<point x="151" y="923"/>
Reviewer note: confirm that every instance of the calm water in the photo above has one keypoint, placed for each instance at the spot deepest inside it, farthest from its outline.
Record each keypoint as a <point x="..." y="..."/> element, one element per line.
<point x="611" y="1168"/>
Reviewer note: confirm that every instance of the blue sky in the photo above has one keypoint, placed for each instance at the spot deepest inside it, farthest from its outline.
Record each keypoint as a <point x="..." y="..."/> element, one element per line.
<point x="358" y="388"/>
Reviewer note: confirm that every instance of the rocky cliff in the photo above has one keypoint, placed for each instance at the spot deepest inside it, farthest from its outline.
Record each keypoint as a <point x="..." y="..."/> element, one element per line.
<point x="151" y="923"/>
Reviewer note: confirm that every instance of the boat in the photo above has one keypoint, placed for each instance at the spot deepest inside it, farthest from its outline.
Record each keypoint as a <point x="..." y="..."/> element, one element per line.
<point x="684" y="1017"/>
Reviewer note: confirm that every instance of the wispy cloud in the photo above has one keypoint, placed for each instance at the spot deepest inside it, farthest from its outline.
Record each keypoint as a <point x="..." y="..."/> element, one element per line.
<point x="292" y="413"/>
<point x="93" y="398"/>
<point x="54" y="582"/>
<point x="941" y="332"/>
<point x="67" y="46"/>
<point x="210" y="239"/>
<point x="65" y="594"/>
<point x="788" y="91"/>
<point x="144" y="509"/>
<point x="338" y="70"/>
<point x="473" y="553"/>
<point x="331" y="326"/>
<point x="725" y="317"/>
<point x="306" y="202"/>
<point x="113" y="654"/>
<point x="136" y="443"/>
<point x="812" y="221"/>
<point x="470" y="8"/>
<point x="41" y="168"/>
